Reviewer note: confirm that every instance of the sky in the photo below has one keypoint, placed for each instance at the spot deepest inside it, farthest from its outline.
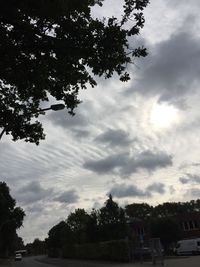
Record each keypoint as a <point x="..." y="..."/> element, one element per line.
<point x="139" y="141"/>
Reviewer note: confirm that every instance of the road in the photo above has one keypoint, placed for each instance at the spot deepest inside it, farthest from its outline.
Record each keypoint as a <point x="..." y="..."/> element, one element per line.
<point x="30" y="262"/>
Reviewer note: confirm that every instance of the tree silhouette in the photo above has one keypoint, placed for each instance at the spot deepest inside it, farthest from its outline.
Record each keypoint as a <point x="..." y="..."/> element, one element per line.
<point x="112" y="222"/>
<point x="55" y="48"/>
<point x="11" y="218"/>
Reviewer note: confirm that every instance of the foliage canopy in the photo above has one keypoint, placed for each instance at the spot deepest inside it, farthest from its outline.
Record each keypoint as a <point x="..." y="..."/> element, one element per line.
<point x="11" y="218"/>
<point x="55" y="48"/>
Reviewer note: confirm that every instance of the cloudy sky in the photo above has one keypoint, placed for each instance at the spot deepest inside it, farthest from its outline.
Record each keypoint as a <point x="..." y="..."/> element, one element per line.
<point x="139" y="140"/>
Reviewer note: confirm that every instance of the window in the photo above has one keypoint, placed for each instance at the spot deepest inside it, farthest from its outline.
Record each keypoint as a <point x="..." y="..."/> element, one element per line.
<point x="195" y="225"/>
<point x="189" y="225"/>
<point x="185" y="226"/>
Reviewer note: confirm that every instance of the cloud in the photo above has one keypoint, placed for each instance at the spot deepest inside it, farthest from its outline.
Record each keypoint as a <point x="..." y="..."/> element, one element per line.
<point x="127" y="164"/>
<point x="190" y="179"/>
<point x="124" y="190"/>
<point x="175" y="3"/>
<point x="65" y="120"/>
<point x="107" y="164"/>
<point x="193" y="193"/>
<point x="33" y="192"/>
<point x="172" y="189"/>
<point x="114" y="138"/>
<point x="156" y="188"/>
<point x="35" y="208"/>
<point x="147" y="160"/>
<point x="172" y="68"/>
<point x="79" y="122"/>
<point x="81" y="133"/>
<point x="68" y="197"/>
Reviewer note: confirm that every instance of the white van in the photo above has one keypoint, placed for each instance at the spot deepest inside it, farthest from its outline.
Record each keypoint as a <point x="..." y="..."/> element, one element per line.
<point x="188" y="246"/>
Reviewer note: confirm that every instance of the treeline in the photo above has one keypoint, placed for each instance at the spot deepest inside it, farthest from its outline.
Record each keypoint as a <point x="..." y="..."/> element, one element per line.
<point x="107" y="223"/>
<point x="167" y="209"/>
<point x="111" y="222"/>
<point x="11" y="219"/>
<point x="37" y="247"/>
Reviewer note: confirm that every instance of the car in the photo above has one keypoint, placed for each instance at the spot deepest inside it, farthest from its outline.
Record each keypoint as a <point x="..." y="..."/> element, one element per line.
<point x="18" y="257"/>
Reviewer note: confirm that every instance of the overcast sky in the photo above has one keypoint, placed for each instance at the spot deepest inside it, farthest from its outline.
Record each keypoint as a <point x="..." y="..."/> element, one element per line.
<point x="139" y="140"/>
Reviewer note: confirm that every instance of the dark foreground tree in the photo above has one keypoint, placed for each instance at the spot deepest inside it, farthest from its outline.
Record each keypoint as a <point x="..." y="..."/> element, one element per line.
<point x="167" y="229"/>
<point x="11" y="218"/>
<point x="112" y="221"/>
<point x="139" y="210"/>
<point x="55" y="48"/>
<point x="78" y="222"/>
<point x="59" y="236"/>
<point x="37" y="247"/>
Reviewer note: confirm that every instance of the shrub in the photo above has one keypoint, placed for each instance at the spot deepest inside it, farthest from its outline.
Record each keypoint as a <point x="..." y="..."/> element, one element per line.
<point x="116" y="250"/>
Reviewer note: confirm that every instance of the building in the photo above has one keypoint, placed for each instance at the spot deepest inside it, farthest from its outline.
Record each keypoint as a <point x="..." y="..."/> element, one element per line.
<point x="190" y="224"/>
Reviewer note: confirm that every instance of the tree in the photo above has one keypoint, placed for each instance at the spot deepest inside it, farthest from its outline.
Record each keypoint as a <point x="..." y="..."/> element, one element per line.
<point x="18" y="243"/>
<point x="11" y="218"/>
<point x="172" y="208"/>
<point x="112" y="221"/>
<point x="139" y="210"/>
<point x="167" y="229"/>
<point x="78" y="223"/>
<point x="59" y="234"/>
<point x="92" y="227"/>
<point x="37" y="247"/>
<point x="55" y="48"/>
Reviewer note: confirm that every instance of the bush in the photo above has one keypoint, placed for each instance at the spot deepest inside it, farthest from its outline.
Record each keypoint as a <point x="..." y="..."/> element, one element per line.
<point x="116" y="250"/>
<point x="54" y="252"/>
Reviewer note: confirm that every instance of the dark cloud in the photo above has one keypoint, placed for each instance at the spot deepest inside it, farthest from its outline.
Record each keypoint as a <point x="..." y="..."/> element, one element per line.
<point x="68" y="197"/>
<point x="190" y="179"/>
<point x="127" y="165"/>
<point x="107" y="164"/>
<point x="114" y="138"/>
<point x="33" y="192"/>
<point x="147" y="160"/>
<point x="156" y="188"/>
<point x="65" y="120"/>
<point x="172" y="68"/>
<point x="79" y="122"/>
<point x="81" y="133"/>
<point x="124" y="190"/>
<point x="183" y="180"/>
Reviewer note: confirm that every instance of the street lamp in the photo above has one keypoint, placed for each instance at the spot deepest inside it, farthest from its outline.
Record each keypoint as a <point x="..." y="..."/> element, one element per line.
<point x="54" y="107"/>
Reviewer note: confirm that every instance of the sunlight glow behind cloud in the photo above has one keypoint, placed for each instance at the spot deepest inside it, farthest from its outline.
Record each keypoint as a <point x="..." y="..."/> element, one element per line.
<point x="163" y="115"/>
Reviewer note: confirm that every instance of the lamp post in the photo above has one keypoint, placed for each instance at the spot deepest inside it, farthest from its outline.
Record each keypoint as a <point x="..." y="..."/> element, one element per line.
<point x="54" y="107"/>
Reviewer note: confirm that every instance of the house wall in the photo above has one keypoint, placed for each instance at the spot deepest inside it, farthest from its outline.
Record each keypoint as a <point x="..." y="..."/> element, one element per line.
<point x="190" y="224"/>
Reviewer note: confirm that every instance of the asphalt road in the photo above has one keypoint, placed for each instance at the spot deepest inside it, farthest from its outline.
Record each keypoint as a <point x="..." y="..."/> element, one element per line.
<point x="30" y="262"/>
<point x="174" y="262"/>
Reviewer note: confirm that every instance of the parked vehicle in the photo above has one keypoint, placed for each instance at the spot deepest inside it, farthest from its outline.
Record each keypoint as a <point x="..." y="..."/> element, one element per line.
<point x="188" y="247"/>
<point x="18" y="257"/>
<point x="144" y="252"/>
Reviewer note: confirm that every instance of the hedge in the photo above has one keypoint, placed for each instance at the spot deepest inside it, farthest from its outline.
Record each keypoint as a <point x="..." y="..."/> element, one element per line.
<point x="116" y="250"/>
